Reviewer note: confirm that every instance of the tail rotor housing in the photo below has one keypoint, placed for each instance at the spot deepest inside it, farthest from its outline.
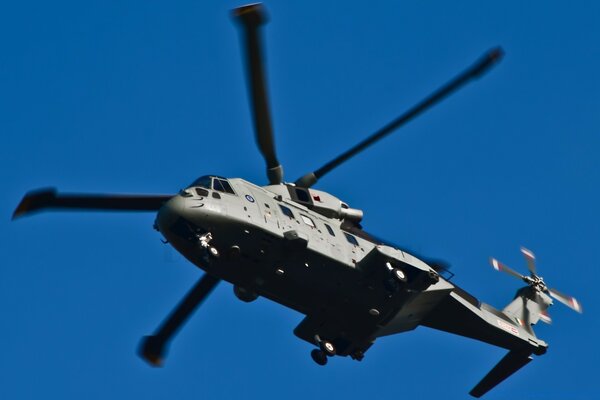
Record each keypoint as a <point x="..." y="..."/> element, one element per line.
<point x="532" y="301"/>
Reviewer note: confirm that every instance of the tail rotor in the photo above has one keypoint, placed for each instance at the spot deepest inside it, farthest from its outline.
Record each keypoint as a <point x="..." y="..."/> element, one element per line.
<point x="536" y="282"/>
<point x="528" y="307"/>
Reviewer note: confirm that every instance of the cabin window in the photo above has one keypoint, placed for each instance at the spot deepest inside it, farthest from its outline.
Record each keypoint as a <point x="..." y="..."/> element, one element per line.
<point x="330" y="230"/>
<point x="216" y="195"/>
<point x="308" y="221"/>
<point x="202" y="192"/>
<point x="287" y="212"/>
<point x="351" y="239"/>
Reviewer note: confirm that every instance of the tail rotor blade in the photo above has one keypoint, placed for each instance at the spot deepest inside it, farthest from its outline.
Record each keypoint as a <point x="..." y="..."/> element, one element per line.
<point x="530" y="258"/>
<point x="250" y="18"/>
<point x="498" y="266"/>
<point x="567" y="300"/>
<point x="545" y="317"/>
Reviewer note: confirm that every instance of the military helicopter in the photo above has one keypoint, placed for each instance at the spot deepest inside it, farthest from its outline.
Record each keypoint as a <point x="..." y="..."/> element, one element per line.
<point x="306" y="249"/>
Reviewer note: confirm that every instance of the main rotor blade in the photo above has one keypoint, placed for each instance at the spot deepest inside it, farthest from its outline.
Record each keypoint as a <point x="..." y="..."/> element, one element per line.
<point x="498" y="266"/>
<point x="50" y="199"/>
<point x="153" y="347"/>
<point x="475" y="71"/>
<point x="250" y="18"/>
<point x="510" y="364"/>
<point x="530" y="258"/>
<point x="567" y="300"/>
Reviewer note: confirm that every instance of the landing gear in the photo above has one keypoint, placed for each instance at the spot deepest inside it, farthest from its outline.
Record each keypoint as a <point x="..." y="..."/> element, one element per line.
<point x="326" y="349"/>
<point x="244" y="295"/>
<point x="319" y="357"/>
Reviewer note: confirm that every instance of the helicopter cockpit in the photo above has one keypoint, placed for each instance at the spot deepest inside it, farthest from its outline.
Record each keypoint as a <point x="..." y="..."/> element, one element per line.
<point x="213" y="182"/>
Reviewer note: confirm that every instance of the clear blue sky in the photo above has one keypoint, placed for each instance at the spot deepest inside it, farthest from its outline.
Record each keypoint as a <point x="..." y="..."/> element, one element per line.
<point x="144" y="96"/>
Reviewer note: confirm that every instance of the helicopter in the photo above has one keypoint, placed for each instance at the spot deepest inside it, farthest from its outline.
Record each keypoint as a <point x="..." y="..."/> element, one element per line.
<point x="305" y="249"/>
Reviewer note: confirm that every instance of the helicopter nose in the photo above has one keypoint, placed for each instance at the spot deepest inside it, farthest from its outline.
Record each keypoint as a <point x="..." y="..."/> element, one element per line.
<point x="169" y="213"/>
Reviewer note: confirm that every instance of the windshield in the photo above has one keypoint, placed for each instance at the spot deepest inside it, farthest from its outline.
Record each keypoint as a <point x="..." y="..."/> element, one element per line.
<point x="213" y="182"/>
<point x="203" y="181"/>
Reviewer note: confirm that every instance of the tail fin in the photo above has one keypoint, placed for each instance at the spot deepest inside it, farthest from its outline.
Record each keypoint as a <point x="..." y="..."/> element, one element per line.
<point x="528" y="307"/>
<point x="531" y="302"/>
<point x="511" y="363"/>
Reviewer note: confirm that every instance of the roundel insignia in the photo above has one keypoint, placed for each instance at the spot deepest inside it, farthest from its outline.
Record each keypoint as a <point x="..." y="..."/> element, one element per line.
<point x="250" y="198"/>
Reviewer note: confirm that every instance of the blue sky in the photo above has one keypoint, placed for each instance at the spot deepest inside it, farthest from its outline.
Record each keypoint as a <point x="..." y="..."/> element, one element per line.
<point x="143" y="97"/>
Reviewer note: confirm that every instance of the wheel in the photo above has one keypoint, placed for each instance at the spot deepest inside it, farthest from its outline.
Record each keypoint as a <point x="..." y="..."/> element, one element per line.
<point x="327" y="347"/>
<point x="399" y="275"/>
<point x="244" y="295"/>
<point x="319" y="357"/>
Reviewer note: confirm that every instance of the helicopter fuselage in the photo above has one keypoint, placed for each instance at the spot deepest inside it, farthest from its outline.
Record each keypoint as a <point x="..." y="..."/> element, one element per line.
<point x="266" y="244"/>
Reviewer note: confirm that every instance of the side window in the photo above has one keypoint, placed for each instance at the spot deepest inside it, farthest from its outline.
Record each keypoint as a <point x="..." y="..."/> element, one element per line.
<point x="329" y="230"/>
<point x="202" y="192"/>
<point x="287" y="212"/>
<point x="308" y="221"/>
<point x="351" y="239"/>
<point x="216" y="195"/>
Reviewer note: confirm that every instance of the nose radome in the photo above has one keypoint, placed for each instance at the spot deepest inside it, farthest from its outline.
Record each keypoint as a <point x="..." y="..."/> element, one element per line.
<point x="169" y="213"/>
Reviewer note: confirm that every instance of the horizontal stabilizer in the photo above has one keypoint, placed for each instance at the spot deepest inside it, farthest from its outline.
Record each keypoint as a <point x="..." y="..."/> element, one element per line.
<point x="44" y="199"/>
<point x="510" y="364"/>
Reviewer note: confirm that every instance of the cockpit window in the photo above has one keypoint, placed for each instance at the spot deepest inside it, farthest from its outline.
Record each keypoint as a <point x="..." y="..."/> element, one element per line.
<point x="203" y="181"/>
<point x="228" y="188"/>
<point x="222" y="186"/>
<point x="217" y="185"/>
<point x="213" y="182"/>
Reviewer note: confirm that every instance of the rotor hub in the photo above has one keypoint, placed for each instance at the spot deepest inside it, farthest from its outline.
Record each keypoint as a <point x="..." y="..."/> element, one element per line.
<point x="537" y="282"/>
